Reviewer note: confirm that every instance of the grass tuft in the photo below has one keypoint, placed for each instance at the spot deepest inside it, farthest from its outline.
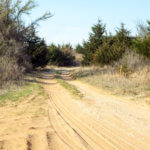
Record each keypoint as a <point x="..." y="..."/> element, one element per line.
<point x="70" y="88"/>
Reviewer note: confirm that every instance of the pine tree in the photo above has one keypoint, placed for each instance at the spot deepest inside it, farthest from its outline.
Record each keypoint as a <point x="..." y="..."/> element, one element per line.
<point x="96" y="39"/>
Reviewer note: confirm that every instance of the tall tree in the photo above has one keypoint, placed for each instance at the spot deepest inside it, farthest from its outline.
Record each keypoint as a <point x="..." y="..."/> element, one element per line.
<point x="13" y="32"/>
<point x="122" y="37"/>
<point x="96" y="39"/>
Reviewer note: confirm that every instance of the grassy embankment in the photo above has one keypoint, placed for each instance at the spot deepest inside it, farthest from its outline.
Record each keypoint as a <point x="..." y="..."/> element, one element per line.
<point x="135" y="86"/>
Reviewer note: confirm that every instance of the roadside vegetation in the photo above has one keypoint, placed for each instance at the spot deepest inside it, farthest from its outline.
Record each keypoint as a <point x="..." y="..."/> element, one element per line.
<point x="102" y="48"/>
<point x="118" y="63"/>
<point x="17" y="40"/>
<point x="61" y="55"/>
<point x="22" y="92"/>
<point x="21" y="50"/>
<point x="136" y="86"/>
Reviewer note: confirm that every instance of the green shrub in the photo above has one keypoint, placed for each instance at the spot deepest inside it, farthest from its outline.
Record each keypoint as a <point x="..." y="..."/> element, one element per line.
<point x="106" y="54"/>
<point x="142" y="46"/>
<point x="38" y="52"/>
<point x="103" y="49"/>
<point x="61" y="55"/>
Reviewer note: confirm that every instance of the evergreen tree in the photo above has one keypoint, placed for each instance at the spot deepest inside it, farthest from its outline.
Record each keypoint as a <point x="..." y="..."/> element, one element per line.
<point x="96" y="39"/>
<point x="38" y="52"/>
<point x="123" y="38"/>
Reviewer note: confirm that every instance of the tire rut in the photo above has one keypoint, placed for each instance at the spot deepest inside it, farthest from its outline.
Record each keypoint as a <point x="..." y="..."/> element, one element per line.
<point x="29" y="142"/>
<point x="93" y="137"/>
<point x="76" y="130"/>
<point x="121" y="142"/>
<point x="85" y="144"/>
<point x="48" y="136"/>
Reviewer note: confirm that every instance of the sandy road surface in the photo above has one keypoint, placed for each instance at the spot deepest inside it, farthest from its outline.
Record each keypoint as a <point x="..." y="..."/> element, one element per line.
<point x="25" y="125"/>
<point x="63" y="122"/>
<point x="97" y="121"/>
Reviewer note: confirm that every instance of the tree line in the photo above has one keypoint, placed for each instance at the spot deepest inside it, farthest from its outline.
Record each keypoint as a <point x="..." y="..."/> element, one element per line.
<point x="102" y="48"/>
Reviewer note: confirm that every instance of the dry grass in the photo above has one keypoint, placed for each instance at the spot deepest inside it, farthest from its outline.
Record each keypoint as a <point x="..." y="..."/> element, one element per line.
<point x="10" y="73"/>
<point x="135" y="86"/>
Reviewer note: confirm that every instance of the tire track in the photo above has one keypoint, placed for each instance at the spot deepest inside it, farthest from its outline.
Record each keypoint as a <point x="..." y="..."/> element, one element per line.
<point x="117" y="128"/>
<point x="29" y="142"/>
<point x="48" y="137"/>
<point x="2" y="145"/>
<point x="85" y="144"/>
<point x="120" y="141"/>
<point x="78" y="142"/>
<point x="96" y="140"/>
<point x="61" y="139"/>
<point x="92" y="136"/>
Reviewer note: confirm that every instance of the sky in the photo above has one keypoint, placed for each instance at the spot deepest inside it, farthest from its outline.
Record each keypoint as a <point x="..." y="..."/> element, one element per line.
<point x="72" y="19"/>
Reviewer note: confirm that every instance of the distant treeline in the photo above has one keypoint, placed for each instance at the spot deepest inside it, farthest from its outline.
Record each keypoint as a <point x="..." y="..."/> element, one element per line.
<point x="102" y="48"/>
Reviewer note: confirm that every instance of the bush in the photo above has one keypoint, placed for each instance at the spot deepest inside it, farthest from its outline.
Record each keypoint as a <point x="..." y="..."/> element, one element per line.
<point x="103" y="49"/>
<point x="142" y="46"/>
<point x="9" y="70"/>
<point x="61" y="55"/>
<point x="14" y="37"/>
<point x="38" y="52"/>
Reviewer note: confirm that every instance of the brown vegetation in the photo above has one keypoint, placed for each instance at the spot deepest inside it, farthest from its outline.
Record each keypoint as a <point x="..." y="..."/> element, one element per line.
<point x="130" y="76"/>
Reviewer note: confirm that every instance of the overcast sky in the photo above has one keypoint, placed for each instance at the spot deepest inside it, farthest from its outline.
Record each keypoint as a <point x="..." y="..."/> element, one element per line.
<point x="73" y="19"/>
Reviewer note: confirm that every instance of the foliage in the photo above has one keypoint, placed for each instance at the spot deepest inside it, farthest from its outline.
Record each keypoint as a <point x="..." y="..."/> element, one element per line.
<point x="79" y="49"/>
<point x="122" y="37"/>
<point x="143" y="30"/>
<point x="9" y="70"/>
<point x="96" y="39"/>
<point x="14" y="37"/>
<point x="142" y="46"/>
<point x="142" y="43"/>
<point x="61" y="55"/>
<point x="100" y="49"/>
<point x="38" y="52"/>
<point x="124" y="70"/>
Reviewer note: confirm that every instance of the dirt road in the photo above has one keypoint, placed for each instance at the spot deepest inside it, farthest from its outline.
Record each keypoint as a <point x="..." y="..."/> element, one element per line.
<point x="96" y="122"/>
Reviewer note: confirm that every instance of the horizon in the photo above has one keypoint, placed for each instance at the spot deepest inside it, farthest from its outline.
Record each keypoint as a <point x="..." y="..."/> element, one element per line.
<point x="72" y="21"/>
